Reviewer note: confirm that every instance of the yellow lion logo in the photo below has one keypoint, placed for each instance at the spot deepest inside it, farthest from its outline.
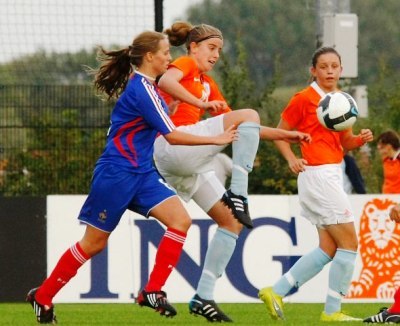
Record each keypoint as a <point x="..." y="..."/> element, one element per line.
<point x="379" y="239"/>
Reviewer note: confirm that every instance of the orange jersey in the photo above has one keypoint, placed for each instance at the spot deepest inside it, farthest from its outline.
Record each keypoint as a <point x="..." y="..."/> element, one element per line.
<point x="300" y="114"/>
<point x="391" y="175"/>
<point x="200" y="85"/>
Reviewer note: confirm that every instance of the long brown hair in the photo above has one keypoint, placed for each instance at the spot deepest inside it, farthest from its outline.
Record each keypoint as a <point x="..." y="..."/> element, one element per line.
<point x="117" y="65"/>
<point x="183" y="32"/>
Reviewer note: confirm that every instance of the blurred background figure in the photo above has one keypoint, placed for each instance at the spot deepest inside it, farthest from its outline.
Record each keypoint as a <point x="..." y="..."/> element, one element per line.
<point x="353" y="181"/>
<point x="389" y="150"/>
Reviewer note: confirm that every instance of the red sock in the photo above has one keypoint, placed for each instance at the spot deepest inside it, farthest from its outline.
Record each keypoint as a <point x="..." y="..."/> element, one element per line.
<point x="395" y="308"/>
<point x="167" y="257"/>
<point x="65" y="269"/>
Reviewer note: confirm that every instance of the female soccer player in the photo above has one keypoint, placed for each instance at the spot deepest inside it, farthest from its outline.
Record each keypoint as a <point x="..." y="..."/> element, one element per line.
<point x="124" y="176"/>
<point x="322" y="198"/>
<point x="191" y="171"/>
<point x="389" y="149"/>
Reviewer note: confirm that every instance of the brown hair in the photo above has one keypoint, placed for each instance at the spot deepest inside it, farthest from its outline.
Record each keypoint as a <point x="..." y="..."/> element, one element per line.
<point x="320" y="51"/>
<point x="116" y="66"/>
<point x="183" y="32"/>
<point x="389" y="137"/>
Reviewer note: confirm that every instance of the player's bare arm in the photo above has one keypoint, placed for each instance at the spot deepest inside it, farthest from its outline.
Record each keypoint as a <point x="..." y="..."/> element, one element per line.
<point x="292" y="136"/>
<point x="215" y="106"/>
<point x="169" y="83"/>
<point x="350" y="141"/>
<point x="296" y="165"/>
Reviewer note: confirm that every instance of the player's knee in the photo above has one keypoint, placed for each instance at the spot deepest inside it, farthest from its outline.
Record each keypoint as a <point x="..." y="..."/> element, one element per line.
<point x="186" y="223"/>
<point x="354" y="244"/>
<point x="181" y="223"/>
<point x="251" y="115"/>
<point x="351" y="245"/>
<point x="93" y="246"/>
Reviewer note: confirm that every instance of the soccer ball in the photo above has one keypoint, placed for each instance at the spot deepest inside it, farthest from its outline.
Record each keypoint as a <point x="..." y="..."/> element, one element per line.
<point x="337" y="111"/>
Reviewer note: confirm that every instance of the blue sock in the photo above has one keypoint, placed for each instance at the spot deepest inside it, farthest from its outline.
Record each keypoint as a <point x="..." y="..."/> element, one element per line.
<point x="304" y="269"/>
<point x="340" y="275"/>
<point x="219" y="253"/>
<point x="244" y="152"/>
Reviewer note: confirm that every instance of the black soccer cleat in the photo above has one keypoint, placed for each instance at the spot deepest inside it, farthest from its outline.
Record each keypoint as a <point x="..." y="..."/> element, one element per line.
<point x="156" y="300"/>
<point x="384" y="316"/>
<point x="239" y="207"/>
<point x="207" y="309"/>
<point x="43" y="315"/>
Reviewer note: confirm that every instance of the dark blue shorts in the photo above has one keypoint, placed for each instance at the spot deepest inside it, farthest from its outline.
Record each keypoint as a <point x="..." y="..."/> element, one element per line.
<point x="114" y="190"/>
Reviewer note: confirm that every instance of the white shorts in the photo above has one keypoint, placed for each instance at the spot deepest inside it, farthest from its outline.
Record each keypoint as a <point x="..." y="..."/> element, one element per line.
<point x="188" y="168"/>
<point x="322" y="197"/>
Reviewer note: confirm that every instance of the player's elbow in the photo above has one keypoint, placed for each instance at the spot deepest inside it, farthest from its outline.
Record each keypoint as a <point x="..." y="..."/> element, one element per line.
<point x="171" y="139"/>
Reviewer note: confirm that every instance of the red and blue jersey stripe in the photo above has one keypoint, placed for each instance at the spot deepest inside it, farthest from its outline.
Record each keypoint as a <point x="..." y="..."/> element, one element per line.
<point x="139" y="115"/>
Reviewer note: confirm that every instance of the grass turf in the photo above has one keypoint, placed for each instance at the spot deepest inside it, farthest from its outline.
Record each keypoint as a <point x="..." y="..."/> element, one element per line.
<point x="130" y="314"/>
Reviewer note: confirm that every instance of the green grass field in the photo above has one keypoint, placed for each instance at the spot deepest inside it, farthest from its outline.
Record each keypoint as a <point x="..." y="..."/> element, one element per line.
<point x="20" y="314"/>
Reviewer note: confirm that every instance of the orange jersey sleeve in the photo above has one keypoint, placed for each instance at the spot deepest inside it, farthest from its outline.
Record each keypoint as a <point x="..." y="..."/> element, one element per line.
<point x="200" y="85"/>
<point x="300" y="114"/>
<point x="391" y="175"/>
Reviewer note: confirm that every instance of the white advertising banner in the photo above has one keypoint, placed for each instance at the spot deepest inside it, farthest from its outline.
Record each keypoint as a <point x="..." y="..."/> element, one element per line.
<point x="262" y="255"/>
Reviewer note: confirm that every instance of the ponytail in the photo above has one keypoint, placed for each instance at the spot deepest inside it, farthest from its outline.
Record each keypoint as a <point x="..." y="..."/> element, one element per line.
<point x="116" y="66"/>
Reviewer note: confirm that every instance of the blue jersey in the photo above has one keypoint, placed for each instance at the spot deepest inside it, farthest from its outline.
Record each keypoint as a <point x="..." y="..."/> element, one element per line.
<point x="139" y="115"/>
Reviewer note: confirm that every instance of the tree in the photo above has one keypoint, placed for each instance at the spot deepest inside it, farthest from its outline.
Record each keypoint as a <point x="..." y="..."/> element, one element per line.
<point x="284" y="31"/>
<point x="287" y="29"/>
<point x="379" y="32"/>
<point x="268" y="45"/>
<point x="268" y="30"/>
<point x="42" y="68"/>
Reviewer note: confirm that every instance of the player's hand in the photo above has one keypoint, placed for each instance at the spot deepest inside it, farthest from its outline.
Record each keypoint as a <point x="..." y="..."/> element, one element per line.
<point x="214" y="106"/>
<point x="297" y="165"/>
<point x="366" y="135"/>
<point x="395" y="214"/>
<point x="228" y="136"/>
<point x="295" y="136"/>
<point x="173" y="106"/>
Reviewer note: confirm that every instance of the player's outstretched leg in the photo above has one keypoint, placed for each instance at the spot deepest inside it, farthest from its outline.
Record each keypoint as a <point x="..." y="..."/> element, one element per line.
<point x="156" y="300"/>
<point x="273" y="302"/>
<point x="207" y="309"/>
<point x="44" y="314"/>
